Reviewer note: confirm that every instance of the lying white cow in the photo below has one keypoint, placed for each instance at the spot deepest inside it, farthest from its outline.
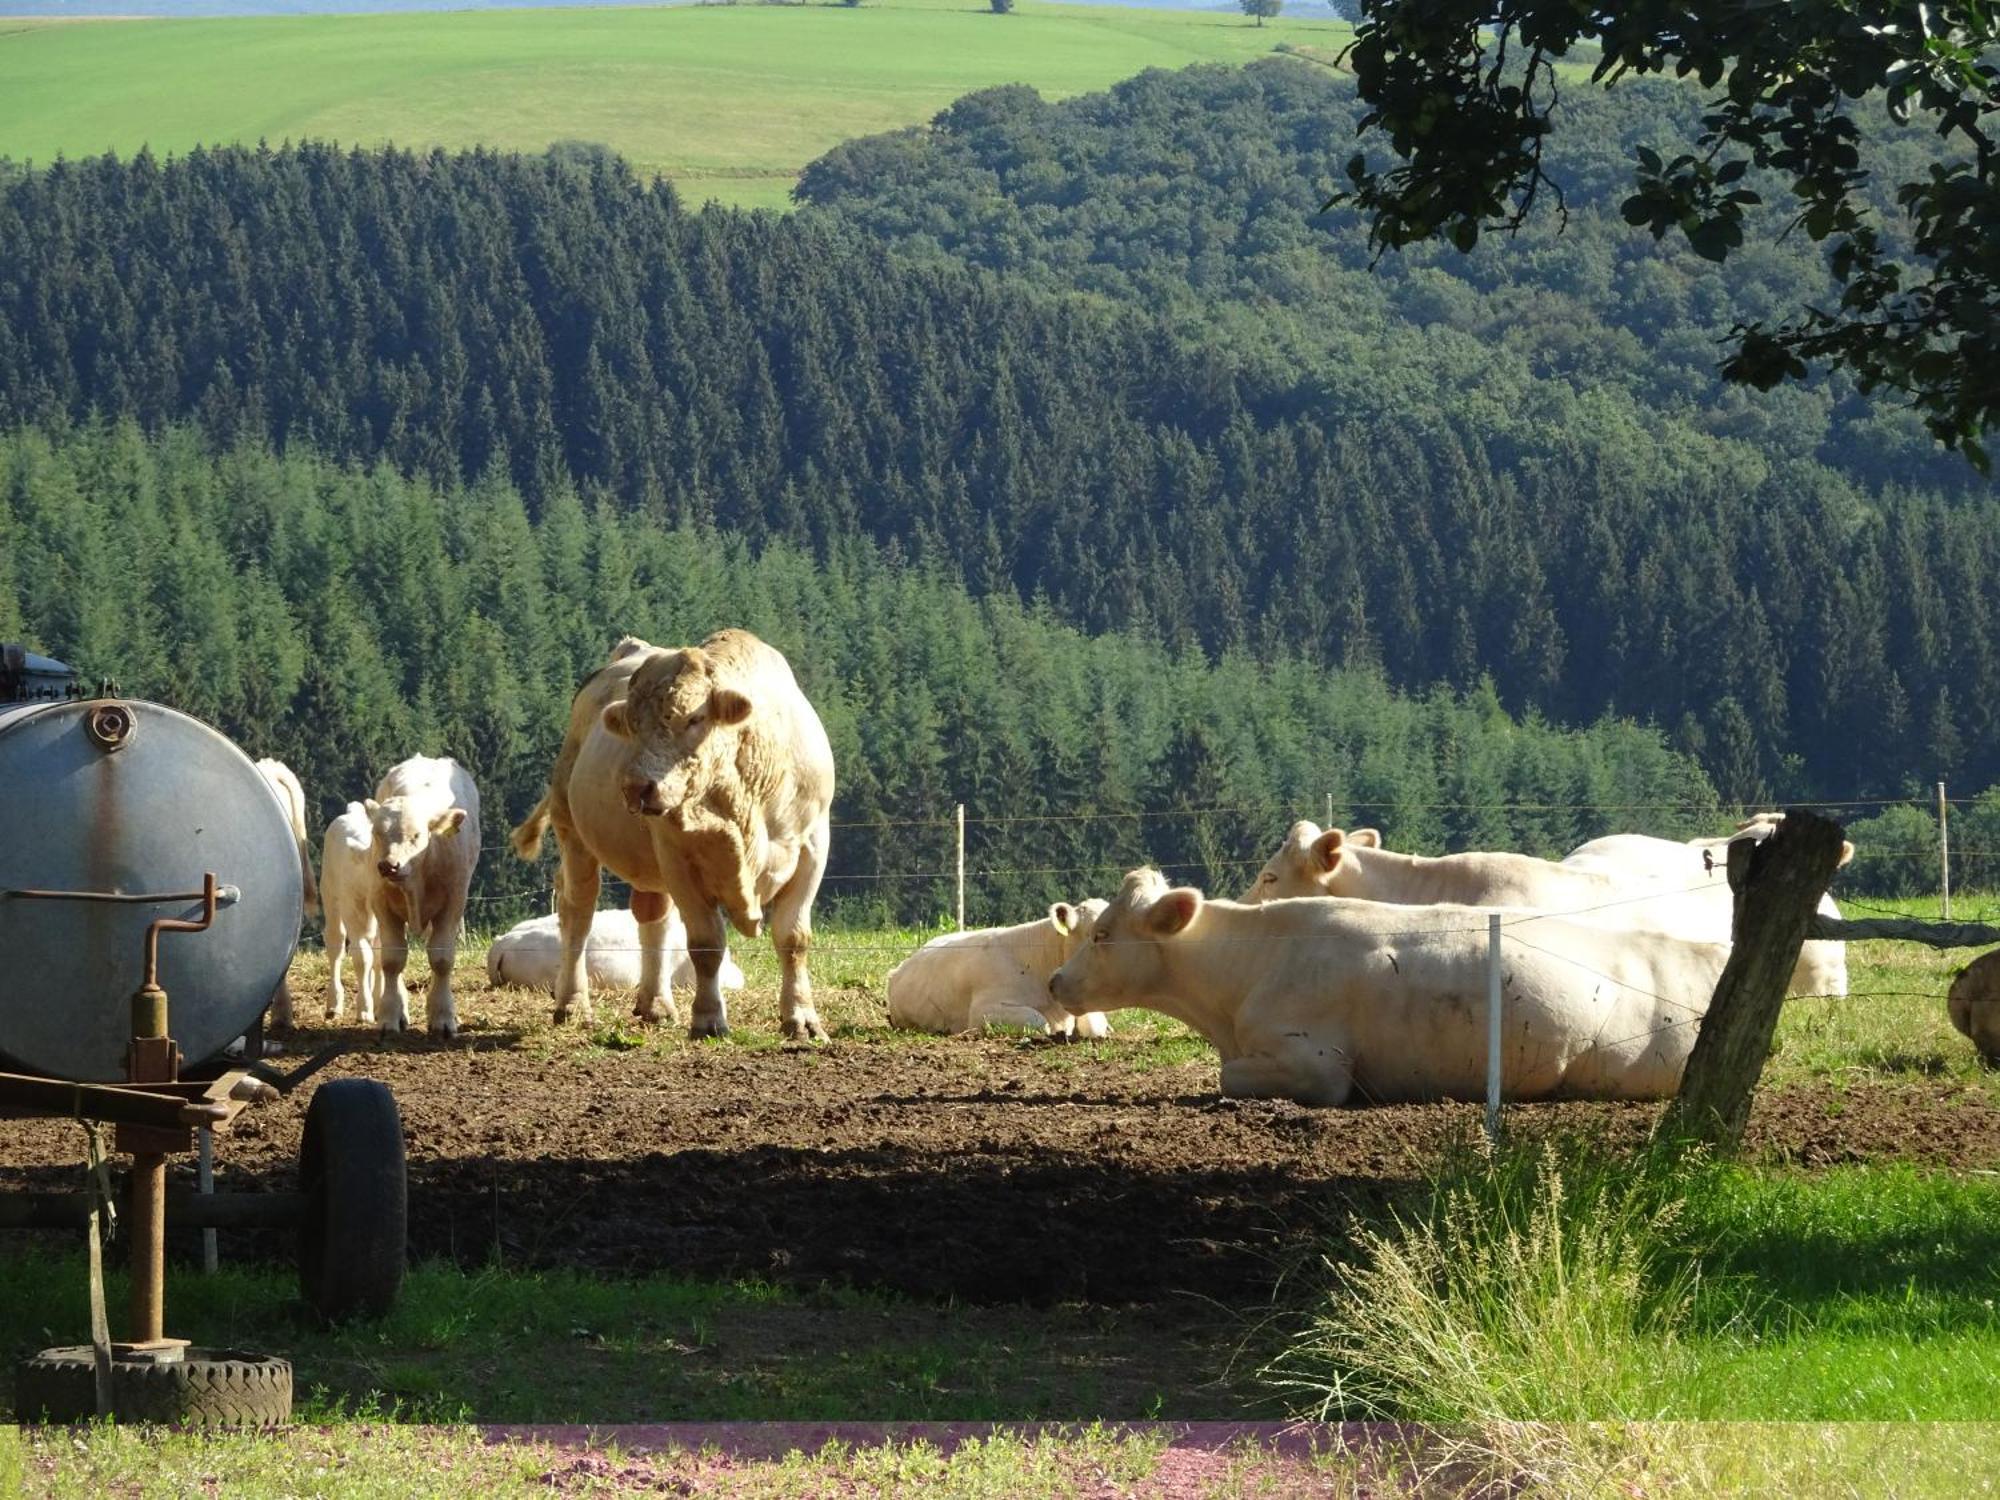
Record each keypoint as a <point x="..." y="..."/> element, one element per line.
<point x="530" y="954"/>
<point x="347" y="892"/>
<point x="994" y="976"/>
<point x="292" y="797"/>
<point x="1822" y="968"/>
<point x="1330" y="1002"/>
<point x="425" y="818"/>
<point x="1675" y="896"/>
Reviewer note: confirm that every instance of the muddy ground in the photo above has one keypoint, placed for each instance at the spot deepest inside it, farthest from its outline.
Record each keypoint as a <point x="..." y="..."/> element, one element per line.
<point x="987" y="1170"/>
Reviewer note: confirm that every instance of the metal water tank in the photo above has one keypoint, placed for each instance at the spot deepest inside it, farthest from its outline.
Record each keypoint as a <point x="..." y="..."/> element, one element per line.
<point x="128" y="798"/>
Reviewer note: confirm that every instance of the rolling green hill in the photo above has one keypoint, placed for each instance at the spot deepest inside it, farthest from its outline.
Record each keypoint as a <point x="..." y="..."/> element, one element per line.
<point x="730" y="102"/>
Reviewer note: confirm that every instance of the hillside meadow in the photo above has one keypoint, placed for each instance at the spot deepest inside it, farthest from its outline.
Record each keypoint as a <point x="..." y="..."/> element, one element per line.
<point x="729" y="102"/>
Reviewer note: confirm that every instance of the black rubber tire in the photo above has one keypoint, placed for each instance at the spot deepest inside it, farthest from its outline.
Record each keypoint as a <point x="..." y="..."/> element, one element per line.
<point x="353" y="1233"/>
<point x="206" y="1388"/>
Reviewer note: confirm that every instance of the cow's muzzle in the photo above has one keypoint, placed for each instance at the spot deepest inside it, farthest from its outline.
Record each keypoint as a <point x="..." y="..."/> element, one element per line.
<point x="388" y="869"/>
<point x="644" y="797"/>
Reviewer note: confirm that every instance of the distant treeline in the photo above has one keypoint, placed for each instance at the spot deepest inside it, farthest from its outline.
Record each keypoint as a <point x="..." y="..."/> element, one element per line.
<point x="341" y="620"/>
<point x="1104" y="357"/>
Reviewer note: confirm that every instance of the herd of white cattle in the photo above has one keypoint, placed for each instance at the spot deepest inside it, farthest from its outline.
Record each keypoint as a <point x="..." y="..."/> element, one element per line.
<point x="1346" y="973"/>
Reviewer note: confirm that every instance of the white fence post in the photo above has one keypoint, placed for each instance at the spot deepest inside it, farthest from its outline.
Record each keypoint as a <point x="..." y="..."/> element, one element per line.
<point x="1944" y="852"/>
<point x="1493" y="1027"/>
<point x="205" y="1182"/>
<point x="1329" y="811"/>
<point x="961" y="866"/>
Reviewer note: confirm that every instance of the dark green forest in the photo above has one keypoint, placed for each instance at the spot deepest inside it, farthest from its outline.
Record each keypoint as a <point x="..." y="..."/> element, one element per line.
<point x="1099" y="377"/>
<point x="342" y="619"/>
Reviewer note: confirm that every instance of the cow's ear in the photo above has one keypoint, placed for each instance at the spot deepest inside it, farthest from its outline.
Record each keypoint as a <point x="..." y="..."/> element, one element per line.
<point x="1325" y="851"/>
<point x="1846" y="852"/>
<point x="618" y="720"/>
<point x="1064" y="916"/>
<point x="444" y="825"/>
<point x="1365" y="838"/>
<point x="1172" y="914"/>
<point x="371" y="807"/>
<point x="728" y="706"/>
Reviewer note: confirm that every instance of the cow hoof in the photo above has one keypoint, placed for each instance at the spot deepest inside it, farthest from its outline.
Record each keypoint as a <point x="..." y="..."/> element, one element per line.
<point x="712" y="1026"/>
<point x="446" y="1031"/>
<point x="804" y="1029"/>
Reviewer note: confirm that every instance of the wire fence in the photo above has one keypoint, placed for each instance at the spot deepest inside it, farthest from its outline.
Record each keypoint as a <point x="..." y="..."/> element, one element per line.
<point x="944" y="868"/>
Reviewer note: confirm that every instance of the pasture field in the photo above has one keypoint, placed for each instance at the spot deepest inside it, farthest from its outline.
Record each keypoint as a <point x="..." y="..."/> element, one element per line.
<point x="613" y="1224"/>
<point x="729" y="102"/>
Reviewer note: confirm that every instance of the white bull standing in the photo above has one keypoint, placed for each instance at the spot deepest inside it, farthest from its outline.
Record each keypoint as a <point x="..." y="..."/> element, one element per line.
<point x="1327" y="1001"/>
<point x="699" y="775"/>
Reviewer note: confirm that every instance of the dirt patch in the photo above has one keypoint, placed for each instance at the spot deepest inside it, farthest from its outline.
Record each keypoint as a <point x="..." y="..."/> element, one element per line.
<point x="986" y="1170"/>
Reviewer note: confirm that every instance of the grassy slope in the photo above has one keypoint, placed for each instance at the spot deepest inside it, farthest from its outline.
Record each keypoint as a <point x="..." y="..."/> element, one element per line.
<point x="729" y="101"/>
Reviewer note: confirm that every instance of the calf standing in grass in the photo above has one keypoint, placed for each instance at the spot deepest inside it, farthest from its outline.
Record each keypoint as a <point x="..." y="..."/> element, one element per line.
<point x="424" y="819"/>
<point x="995" y="976"/>
<point x="1328" y="1001"/>
<point x="347" y="895"/>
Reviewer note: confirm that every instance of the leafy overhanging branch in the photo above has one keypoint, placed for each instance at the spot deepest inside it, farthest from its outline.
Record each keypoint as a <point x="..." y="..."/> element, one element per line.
<point x="1465" y="95"/>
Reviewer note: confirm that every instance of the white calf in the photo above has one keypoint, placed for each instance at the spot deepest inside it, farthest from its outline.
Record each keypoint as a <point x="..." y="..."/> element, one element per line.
<point x="994" y="976"/>
<point x="347" y="885"/>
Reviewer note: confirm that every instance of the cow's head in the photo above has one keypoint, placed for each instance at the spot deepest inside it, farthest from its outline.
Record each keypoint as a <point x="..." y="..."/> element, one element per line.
<point x="1119" y="959"/>
<point x="401" y="834"/>
<point x="1309" y="863"/>
<point x="676" y="713"/>
<point x="1073" y="922"/>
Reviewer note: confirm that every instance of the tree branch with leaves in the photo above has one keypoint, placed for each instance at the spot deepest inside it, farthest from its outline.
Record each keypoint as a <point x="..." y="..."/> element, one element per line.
<point x="1466" y="93"/>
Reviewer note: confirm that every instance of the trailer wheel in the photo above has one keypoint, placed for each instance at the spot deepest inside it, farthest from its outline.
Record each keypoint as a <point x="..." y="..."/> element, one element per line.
<point x="205" y="1388"/>
<point x="353" y="1230"/>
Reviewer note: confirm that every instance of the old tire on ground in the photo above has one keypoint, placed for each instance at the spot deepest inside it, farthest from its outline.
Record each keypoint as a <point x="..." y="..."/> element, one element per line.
<point x="353" y="1233"/>
<point x="206" y="1388"/>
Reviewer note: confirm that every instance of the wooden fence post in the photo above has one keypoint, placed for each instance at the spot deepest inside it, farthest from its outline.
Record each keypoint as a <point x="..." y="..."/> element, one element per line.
<point x="1777" y="884"/>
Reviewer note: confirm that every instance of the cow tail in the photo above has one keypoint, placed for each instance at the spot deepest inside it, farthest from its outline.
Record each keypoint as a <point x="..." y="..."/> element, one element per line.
<point x="527" y="837"/>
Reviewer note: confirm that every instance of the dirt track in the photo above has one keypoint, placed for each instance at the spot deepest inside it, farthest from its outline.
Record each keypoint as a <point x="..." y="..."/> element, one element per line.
<point x="986" y="1170"/>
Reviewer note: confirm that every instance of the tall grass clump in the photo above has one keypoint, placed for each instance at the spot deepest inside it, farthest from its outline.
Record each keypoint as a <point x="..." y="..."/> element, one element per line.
<point x="1536" y="1282"/>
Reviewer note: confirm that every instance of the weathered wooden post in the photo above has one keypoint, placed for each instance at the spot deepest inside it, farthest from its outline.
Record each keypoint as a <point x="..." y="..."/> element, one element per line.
<point x="1777" y="884"/>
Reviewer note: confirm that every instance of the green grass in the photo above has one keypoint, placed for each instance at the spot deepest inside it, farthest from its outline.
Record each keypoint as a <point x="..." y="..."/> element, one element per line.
<point x="1555" y="1281"/>
<point x="1892" y="1025"/>
<point x="550" y="1346"/>
<point x="730" y="102"/>
<point x="453" y="1463"/>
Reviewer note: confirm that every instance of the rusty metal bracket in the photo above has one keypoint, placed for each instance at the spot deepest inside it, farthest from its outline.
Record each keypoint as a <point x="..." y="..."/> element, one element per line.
<point x="284" y="1083"/>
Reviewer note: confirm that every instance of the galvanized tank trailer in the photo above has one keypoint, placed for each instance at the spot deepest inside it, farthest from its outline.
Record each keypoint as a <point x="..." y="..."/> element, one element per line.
<point x="150" y="898"/>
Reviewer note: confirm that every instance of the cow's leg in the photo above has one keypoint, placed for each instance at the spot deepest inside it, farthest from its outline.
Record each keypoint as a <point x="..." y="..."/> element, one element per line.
<point x="440" y="1008"/>
<point x="395" y="954"/>
<point x="281" y="1005"/>
<point x="576" y="905"/>
<point x="336" y="953"/>
<point x="1302" y="1069"/>
<point x="1092" y="1026"/>
<point x="367" y="975"/>
<point x="707" y="945"/>
<point x="1002" y="1010"/>
<point x="791" y="935"/>
<point x="655" y="1001"/>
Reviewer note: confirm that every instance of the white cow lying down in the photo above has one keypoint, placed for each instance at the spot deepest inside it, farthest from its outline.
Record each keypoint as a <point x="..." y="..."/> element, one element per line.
<point x="1668" y="890"/>
<point x="530" y="954"/>
<point x="1328" y="1001"/>
<point x="994" y="976"/>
